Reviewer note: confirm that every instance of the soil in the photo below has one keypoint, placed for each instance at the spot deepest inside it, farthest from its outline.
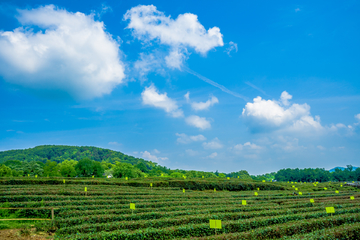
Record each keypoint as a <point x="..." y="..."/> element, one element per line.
<point x="15" y="234"/>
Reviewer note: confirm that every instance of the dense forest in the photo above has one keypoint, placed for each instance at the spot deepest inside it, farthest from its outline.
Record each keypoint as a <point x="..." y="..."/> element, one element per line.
<point x="72" y="161"/>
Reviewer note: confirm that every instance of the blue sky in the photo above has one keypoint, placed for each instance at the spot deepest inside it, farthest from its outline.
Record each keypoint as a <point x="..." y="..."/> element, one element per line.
<point x="199" y="85"/>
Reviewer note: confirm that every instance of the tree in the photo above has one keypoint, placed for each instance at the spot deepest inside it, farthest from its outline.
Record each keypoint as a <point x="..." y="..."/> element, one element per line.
<point x="5" y="171"/>
<point x="84" y="168"/>
<point x="126" y="170"/>
<point x="67" y="168"/>
<point x="51" y="168"/>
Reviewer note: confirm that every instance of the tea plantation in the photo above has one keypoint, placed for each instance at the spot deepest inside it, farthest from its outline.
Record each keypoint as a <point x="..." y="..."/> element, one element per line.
<point x="182" y="209"/>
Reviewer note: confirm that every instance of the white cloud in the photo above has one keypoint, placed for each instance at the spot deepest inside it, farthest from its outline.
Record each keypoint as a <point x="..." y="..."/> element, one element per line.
<point x="147" y="63"/>
<point x="114" y="143"/>
<point x="199" y="122"/>
<point x="213" y="155"/>
<point x="191" y="152"/>
<point x="156" y="151"/>
<point x="232" y="47"/>
<point x="287" y="143"/>
<point x="357" y="116"/>
<point x="180" y="34"/>
<point x="214" y="144"/>
<point x="197" y="106"/>
<point x="321" y="147"/>
<point x="148" y="156"/>
<point x="297" y="9"/>
<point x="247" y="145"/>
<point x="150" y="96"/>
<point x="185" y="139"/>
<point x="73" y="53"/>
<point x="270" y="114"/>
<point x="187" y="97"/>
<point x="285" y="97"/>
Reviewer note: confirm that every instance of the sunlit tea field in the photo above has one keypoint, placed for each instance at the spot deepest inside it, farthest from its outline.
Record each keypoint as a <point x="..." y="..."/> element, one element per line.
<point x="117" y="210"/>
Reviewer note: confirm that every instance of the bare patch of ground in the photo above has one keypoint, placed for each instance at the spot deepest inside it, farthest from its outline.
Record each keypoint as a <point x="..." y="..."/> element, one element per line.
<point x="23" y="234"/>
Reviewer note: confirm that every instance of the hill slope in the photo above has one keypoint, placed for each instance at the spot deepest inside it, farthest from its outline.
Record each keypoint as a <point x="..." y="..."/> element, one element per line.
<point x="60" y="153"/>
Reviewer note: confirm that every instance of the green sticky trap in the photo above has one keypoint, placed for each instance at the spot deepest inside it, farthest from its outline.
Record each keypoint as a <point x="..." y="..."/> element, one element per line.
<point x="132" y="206"/>
<point x="330" y="210"/>
<point x="243" y="202"/>
<point x="312" y="200"/>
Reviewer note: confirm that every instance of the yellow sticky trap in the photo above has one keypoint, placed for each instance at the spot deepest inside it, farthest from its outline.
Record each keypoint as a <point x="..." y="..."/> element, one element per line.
<point x="35" y="176"/>
<point x="312" y="200"/>
<point x="352" y="197"/>
<point x="162" y="174"/>
<point x="255" y="193"/>
<point x="293" y="186"/>
<point x="263" y="180"/>
<point x="150" y="184"/>
<point x="304" y="182"/>
<point x="85" y="189"/>
<point x="295" y="182"/>
<point x="292" y="182"/>
<point x="126" y="178"/>
<point x="93" y="176"/>
<point x="28" y="175"/>
<point x="243" y="202"/>
<point x="317" y="182"/>
<point x="132" y="206"/>
<point x="215" y="224"/>
<point x="341" y="185"/>
<point x="203" y="177"/>
<point x="183" y="190"/>
<point x="64" y="180"/>
<point x="184" y="177"/>
<point x="258" y="189"/>
<point x="238" y="177"/>
<point x="214" y="189"/>
<point x="296" y="189"/>
<point x="330" y="210"/>
<point x="336" y="191"/>
<point x="300" y="193"/>
<point x="345" y="182"/>
<point x="325" y="188"/>
<point x="228" y="178"/>
<point x="288" y="181"/>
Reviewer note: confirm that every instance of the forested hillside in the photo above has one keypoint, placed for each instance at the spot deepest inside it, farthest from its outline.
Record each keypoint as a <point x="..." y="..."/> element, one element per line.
<point x="59" y="153"/>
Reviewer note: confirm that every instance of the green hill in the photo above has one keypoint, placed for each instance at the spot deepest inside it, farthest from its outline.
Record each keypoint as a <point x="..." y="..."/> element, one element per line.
<point x="59" y="153"/>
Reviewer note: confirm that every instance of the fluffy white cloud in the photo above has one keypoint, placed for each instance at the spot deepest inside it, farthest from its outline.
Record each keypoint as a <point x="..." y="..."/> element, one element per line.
<point x="285" y="97"/>
<point x="214" y="144"/>
<point x="199" y="122"/>
<point x="150" y="96"/>
<point x="148" y="156"/>
<point x="147" y="63"/>
<point x="247" y="145"/>
<point x="197" y="106"/>
<point x="180" y="34"/>
<point x="183" y="138"/>
<point x="72" y="53"/>
<point x="321" y="147"/>
<point x="270" y="114"/>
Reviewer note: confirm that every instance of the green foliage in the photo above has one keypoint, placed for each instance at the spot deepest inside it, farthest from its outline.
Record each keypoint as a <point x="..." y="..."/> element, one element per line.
<point x="51" y="169"/>
<point x="121" y="170"/>
<point x="67" y="168"/>
<point x="87" y="168"/>
<point x="5" y="171"/>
